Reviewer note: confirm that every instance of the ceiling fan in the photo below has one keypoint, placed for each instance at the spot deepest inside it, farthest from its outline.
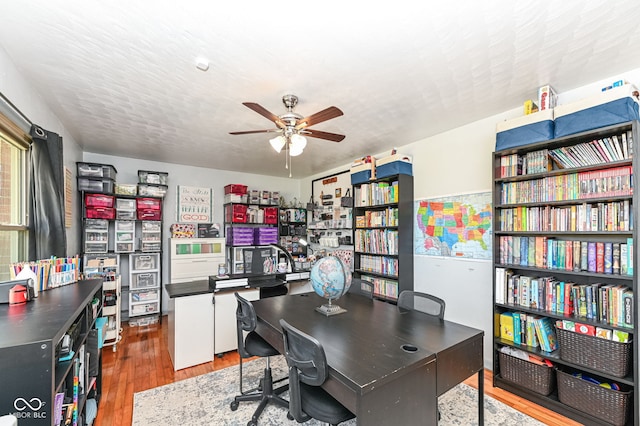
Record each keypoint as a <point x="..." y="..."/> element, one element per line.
<point x="292" y="123"/>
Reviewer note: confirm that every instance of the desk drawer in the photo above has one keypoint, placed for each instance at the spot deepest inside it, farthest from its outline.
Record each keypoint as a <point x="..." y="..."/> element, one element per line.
<point x="195" y="268"/>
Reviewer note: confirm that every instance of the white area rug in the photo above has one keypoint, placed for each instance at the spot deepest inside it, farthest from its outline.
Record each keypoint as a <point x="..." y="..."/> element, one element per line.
<point x="204" y="400"/>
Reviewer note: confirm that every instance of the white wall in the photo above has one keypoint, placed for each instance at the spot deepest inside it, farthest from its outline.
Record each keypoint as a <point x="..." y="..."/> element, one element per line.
<point x="26" y="99"/>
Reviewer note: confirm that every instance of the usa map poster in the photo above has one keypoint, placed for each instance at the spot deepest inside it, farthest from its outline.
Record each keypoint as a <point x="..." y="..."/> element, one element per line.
<point x="456" y="226"/>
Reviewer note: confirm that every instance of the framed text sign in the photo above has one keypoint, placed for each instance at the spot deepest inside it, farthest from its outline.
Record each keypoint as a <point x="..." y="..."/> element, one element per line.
<point x="195" y="205"/>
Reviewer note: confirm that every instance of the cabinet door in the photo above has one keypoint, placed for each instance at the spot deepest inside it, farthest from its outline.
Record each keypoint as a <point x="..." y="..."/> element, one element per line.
<point x="191" y="330"/>
<point x="225" y="322"/>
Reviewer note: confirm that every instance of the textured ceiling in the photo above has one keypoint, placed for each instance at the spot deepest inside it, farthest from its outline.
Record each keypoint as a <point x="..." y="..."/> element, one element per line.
<point x="121" y="74"/>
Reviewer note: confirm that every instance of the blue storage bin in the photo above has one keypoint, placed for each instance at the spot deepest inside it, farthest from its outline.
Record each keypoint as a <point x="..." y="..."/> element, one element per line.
<point x="613" y="106"/>
<point x="525" y="130"/>
<point x="101" y="326"/>
<point x="396" y="164"/>
<point x="362" y="173"/>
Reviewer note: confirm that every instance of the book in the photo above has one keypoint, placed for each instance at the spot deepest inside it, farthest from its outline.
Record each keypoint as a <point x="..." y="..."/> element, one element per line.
<point x="506" y="326"/>
<point x="599" y="257"/>
<point x="608" y="258"/>
<point x="615" y="254"/>
<point x="517" y="327"/>
<point x="591" y="256"/>
<point x="546" y="334"/>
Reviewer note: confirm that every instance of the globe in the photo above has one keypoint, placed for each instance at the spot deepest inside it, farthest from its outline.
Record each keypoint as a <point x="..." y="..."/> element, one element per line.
<point x="330" y="278"/>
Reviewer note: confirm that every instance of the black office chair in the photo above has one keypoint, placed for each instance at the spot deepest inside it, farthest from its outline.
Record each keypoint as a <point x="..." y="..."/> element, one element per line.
<point x="361" y="287"/>
<point x="250" y="346"/>
<point x="423" y="302"/>
<point x="308" y="370"/>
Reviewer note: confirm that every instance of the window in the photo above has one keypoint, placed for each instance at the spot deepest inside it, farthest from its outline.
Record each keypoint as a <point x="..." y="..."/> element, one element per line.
<point x="13" y="203"/>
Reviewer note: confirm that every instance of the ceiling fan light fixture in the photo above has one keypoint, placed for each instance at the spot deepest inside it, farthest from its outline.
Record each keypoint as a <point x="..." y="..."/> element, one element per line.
<point x="277" y="143"/>
<point x="298" y="143"/>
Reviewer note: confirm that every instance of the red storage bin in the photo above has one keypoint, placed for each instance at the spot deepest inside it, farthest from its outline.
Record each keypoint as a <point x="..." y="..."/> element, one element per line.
<point x="100" y="213"/>
<point x="98" y="200"/>
<point x="271" y="215"/>
<point x="235" y="213"/>
<point x="148" y="203"/>
<point x="149" y="214"/>
<point x="235" y="188"/>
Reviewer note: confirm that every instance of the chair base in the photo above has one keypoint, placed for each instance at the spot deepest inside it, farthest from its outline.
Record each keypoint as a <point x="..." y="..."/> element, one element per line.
<point x="267" y="395"/>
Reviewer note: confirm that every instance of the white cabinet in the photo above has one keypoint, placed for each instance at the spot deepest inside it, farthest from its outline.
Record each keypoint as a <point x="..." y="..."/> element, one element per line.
<point x="190" y="336"/>
<point x="225" y="318"/>
<point x="195" y="258"/>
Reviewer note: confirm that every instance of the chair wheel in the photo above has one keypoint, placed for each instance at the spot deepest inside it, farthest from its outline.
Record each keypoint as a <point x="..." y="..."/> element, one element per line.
<point x="252" y="423"/>
<point x="234" y="405"/>
<point x="289" y="416"/>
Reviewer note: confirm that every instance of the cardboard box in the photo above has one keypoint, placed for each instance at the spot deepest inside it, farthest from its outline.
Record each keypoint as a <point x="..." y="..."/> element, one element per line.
<point x="396" y="164"/>
<point x="525" y="130"/>
<point x="546" y="98"/>
<point x="614" y="106"/>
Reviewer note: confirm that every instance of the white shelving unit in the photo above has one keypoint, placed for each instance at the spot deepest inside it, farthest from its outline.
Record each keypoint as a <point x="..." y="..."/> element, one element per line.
<point x="106" y="266"/>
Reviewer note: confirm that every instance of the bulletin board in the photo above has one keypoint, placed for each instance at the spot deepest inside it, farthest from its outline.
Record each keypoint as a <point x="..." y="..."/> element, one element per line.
<point x="332" y="187"/>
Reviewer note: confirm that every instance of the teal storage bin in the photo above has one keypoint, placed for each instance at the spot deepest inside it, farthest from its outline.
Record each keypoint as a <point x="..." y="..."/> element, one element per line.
<point x="101" y="326"/>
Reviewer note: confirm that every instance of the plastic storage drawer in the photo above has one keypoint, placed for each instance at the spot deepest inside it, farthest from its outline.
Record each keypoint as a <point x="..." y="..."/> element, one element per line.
<point x="95" y="185"/>
<point x="144" y="309"/>
<point x="100" y="213"/>
<point x="159" y="178"/>
<point x="125" y="204"/>
<point x="96" y="170"/>
<point x="148" y="204"/>
<point x="98" y="200"/>
<point x="144" y="262"/>
<point x="144" y="296"/>
<point x="147" y="214"/>
<point x="140" y="280"/>
<point x="235" y="189"/>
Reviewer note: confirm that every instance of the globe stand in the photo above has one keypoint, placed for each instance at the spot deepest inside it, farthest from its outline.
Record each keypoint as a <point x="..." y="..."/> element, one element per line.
<point x="328" y="309"/>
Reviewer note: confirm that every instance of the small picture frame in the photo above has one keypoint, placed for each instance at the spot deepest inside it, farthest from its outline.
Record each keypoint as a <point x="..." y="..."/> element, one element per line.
<point x="338" y="192"/>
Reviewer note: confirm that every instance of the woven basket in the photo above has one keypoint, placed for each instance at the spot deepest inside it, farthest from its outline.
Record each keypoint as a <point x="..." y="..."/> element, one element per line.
<point x="596" y="353"/>
<point x="538" y="378"/>
<point x="606" y="404"/>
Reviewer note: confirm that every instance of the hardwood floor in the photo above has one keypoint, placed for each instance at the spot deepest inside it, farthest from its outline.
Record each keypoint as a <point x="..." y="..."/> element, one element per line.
<point x="142" y="362"/>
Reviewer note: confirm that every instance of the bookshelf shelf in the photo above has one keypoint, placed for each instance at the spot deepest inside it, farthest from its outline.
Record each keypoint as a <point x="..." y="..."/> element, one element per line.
<point x="578" y="271"/>
<point x="387" y="246"/>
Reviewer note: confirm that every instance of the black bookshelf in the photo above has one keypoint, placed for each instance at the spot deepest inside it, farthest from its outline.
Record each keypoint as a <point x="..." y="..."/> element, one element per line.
<point x="402" y="256"/>
<point x="30" y="340"/>
<point x="503" y="232"/>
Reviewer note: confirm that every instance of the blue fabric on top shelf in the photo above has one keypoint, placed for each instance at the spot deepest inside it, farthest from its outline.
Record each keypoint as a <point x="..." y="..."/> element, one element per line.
<point x="525" y="135"/>
<point x="607" y="114"/>
<point x="394" y="168"/>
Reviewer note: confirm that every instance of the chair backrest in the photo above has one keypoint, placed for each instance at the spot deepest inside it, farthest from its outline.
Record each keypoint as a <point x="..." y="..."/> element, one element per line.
<point x="246" y="321"/>
<point x="423" y="302"/>
<point x="362" y="287"/>
<point x="307" y="364"/>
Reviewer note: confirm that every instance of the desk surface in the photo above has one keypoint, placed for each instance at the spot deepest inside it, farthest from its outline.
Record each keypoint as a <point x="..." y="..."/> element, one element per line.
<point x="363" y="346"/>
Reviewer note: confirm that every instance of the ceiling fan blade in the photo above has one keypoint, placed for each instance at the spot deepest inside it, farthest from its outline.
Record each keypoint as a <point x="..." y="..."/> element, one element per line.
<point x="264" y="112"/>
<point x="334" y="137"/>
<point x="248" y="132"/>
<point x="319" y="117"/>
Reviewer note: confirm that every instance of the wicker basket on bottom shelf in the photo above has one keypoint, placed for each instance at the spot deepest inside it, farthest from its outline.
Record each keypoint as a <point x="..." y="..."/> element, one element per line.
<point x="596" y="353"/>
<point x="538" y="378"/>
<point x="606" y="404"/>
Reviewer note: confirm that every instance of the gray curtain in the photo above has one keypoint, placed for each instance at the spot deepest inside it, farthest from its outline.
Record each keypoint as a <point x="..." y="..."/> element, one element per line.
<point x="47" y="235"/>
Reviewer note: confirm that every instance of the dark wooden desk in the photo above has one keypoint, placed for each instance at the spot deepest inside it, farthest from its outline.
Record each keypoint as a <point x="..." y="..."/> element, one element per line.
<point x="370" y="371"/>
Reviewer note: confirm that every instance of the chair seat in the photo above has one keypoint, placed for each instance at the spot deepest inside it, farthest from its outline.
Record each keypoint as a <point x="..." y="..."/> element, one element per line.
<point x="257" y="346"/>
<point x="318" y="404"/>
